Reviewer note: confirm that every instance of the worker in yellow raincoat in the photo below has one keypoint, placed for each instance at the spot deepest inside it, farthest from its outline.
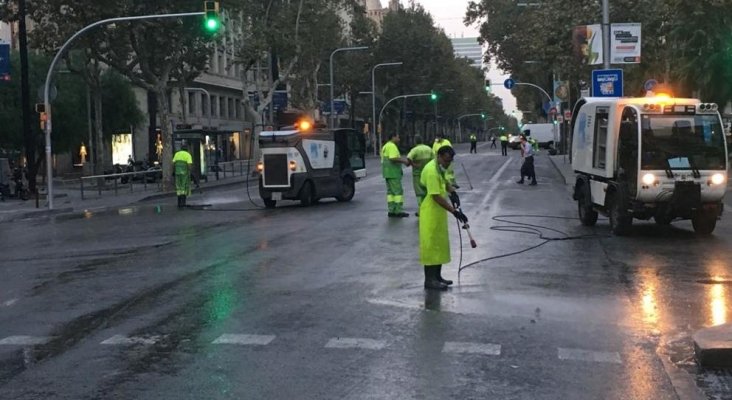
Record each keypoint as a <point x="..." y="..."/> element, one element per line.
<point x="434" y="242"/>
<point x="182" y="165"/>
<point x="418" y="157"/>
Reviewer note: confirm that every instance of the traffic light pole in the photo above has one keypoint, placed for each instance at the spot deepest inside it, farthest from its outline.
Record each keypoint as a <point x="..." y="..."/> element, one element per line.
<point x="404" y="96"/>
<point x="460" y="127"/>
<point x="375" y="128"/>
<point x="47" y="88"/>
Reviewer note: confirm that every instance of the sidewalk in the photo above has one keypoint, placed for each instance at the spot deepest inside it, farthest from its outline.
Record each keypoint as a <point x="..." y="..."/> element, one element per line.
<point x="67" y="198"/>
<point x="561" y="163"/>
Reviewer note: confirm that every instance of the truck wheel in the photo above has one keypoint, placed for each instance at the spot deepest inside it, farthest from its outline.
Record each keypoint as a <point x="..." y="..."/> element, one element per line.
<point x="348" y="190"/>
<point x="704" y="222"/>
<point x="664" y="220"/>
<point x="307" y="194"/>
<point x="587" y="214"/>
<point x="620" y="221"/>
<point x="269" y="203"/>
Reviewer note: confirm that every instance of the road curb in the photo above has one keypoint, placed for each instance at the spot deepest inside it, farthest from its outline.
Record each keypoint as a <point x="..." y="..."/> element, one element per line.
<point x="36" y="214"/>
<point x="713" y="346"/>
<point x="559" y="170"/>
<point x="212" y="186"/>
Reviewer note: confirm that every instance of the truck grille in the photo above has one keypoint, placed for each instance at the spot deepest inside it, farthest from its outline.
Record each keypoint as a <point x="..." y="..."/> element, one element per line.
<point x="275" y="170"/>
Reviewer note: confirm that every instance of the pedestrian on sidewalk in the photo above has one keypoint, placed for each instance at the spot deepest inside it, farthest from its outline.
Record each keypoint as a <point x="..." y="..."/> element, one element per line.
<point x="527" y="168"/>
<point x="418" y="157"/>
<point x="391" y="168"/>
<point x="493" y="142"/>
<point x="182" y="164"/>
<point x="473" y="143"/>
<point x="434" y="242"/>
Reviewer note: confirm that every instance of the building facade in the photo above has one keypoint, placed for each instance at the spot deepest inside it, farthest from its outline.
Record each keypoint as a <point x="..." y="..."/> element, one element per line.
<point x="469" y="48"/>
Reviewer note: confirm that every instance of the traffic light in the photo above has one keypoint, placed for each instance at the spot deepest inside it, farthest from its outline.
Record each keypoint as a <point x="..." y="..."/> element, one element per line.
<point x="433" y="96"/>
<point x="488" y="86"/>
<point x="482" y="115"/>
<point x="212" y="19"/>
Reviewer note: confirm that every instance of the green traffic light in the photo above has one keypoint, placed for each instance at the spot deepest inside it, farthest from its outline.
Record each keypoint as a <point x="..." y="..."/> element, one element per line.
<point x="433" y="97"/>
<point x="212" y="24"/>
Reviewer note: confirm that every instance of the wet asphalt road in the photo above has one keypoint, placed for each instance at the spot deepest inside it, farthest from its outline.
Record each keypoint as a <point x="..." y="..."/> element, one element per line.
<point x="234" y="302"/>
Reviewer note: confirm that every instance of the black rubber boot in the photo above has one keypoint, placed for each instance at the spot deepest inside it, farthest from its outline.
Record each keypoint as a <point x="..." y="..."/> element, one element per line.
<point x="440" y="278"/>
<point x="180" y="201"/>
<point x="183" y="201"/>
<point x="430" y="279"/>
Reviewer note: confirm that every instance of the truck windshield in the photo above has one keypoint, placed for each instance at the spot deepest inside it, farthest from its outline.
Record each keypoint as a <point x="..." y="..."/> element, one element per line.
<point x="693" y="142"/>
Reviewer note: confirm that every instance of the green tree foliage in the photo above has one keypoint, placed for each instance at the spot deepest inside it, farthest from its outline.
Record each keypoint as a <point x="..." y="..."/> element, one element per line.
<point x="409" y="35"/>
<point x="685" y="44"/>
<point x="70" y="117"/>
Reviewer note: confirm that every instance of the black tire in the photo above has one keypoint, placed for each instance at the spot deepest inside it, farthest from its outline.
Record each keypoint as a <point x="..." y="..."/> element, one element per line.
<point x="587" y="214"/>
<point x="663" y="220"/>
<point x="704" y="222"/>
<point x="307" y="194"/>
<point x="348" y="190"/>
<point x="620" y="220"/>
<point x="269" y="203"/>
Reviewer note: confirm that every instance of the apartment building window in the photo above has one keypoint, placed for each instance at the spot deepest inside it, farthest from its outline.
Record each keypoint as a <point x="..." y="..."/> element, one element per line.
<point x="214" y="103"/>
<point x="191" y="103"/>
<point x="232" y="111"/>
<point x="237" y="105"/>
<point x="222" y="107"/>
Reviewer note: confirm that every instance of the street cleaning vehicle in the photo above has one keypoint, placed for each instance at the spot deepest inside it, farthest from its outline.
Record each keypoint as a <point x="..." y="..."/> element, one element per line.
<point x="651" y="157"/>
<point x="308" y="162"/>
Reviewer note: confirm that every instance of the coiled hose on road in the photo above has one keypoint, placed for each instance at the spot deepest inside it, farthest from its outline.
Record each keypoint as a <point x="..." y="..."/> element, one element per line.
<point x="528" y="229"/>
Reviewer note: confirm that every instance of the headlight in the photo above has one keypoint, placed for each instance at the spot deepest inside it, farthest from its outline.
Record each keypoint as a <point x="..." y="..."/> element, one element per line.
<point x="260" y="166"/>
<point x="648" y="179"/>
<point x="293" y="165"/>
<point x="718" y="179"/>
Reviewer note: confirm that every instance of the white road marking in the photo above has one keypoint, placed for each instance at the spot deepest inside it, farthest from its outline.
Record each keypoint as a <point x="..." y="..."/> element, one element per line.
<point x="492" y="181"/>
<point x="10" y="302"/>
<point x="487" y="349"/>
<point x="244" y="340"/>
<point x="394" y="303"/>
<point x="124" y="340"/>
<point x="355" y="343"/>
<point x="589" y="356"/>
<point x="24" y="340"/>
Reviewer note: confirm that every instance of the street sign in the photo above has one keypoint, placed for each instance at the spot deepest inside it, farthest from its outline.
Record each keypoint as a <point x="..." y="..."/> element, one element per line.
<point x="568" y="115"/>
<point x="509" y="83"/>
<point x="650" y="85"/>
<point x="4" y="62"/>
<point x="553" y="111"/>
<point x="607" y="83"/>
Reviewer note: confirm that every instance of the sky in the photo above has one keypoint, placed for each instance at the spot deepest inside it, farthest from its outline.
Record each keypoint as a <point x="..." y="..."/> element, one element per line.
<point x="449" y="14"/>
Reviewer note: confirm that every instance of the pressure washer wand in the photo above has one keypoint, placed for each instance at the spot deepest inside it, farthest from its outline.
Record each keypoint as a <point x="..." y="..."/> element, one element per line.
<point x="473" y="243"/>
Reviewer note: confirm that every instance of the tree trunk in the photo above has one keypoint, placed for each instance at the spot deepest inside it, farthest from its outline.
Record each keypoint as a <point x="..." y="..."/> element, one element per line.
<point x="100" y="148"/>
<point x="167" y="133"/>
<point x="152" y="112"/>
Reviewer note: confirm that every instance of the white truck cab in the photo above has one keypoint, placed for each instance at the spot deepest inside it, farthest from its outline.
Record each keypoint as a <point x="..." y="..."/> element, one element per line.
<point x="650" y="157"/>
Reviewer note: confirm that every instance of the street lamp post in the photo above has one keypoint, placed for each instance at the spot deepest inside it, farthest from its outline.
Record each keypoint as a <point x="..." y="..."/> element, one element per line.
<point x="606" y="34"/>
<point x="332" y="102"/>
<point x="47" y="88"/>
<point x="374" y="129"/>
